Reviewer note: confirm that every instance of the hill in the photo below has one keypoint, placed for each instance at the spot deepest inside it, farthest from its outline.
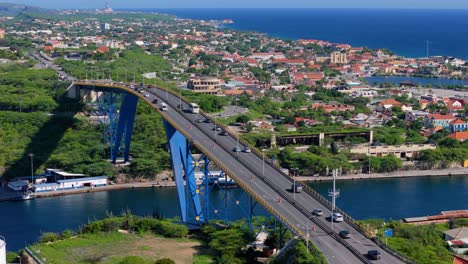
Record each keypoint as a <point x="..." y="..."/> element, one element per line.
<point x="7" y="9"/>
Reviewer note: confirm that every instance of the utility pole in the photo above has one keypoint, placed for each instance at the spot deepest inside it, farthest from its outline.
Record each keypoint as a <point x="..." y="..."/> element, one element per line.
<point x="334" y="193"/>
<point x="263" y="162"/>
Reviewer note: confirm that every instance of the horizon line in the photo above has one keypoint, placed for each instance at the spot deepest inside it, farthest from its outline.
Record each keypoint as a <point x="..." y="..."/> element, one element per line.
<point x="347" y="8"/>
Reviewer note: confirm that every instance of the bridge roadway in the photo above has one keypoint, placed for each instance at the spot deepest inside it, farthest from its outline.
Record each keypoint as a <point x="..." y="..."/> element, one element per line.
<point x="270" y="190"/>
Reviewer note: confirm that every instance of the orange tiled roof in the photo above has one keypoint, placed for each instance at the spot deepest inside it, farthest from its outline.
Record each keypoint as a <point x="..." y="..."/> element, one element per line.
<point x="457" y="121"/>
<point x="439" y="116"/>
<point x="459" y="135"/>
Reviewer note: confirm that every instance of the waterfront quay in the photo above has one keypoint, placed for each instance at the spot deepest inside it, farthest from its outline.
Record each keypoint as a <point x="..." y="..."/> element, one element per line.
<point x="396" y="174"/>
<point x="8" y="195"/>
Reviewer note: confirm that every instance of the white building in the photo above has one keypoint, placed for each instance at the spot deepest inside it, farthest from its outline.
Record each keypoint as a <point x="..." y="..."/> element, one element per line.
<point x="46" y="187"/>
<point x="82" y="182"/>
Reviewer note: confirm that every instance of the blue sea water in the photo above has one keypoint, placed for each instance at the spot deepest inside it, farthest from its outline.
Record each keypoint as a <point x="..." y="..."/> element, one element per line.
<point x="404" y="31"/>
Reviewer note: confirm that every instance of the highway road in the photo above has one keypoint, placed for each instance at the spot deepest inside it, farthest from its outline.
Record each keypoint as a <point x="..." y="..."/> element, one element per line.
<point x="266" y="184"/>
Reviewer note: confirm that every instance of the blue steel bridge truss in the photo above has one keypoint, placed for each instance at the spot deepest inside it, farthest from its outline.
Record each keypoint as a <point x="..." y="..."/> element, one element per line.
<point x="195" y="181"/>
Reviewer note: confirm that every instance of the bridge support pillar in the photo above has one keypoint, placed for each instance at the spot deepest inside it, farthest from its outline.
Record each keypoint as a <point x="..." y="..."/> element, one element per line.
<point x="321" y="139"/>
<point x="183" y="166"/>
<point x="125" y="127"/>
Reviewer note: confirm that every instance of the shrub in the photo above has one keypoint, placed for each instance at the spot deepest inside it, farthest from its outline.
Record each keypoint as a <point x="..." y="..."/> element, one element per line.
<point x="66" y="234"/>
<point x="48" y="237"/>
<point x="132" y="260"/>
<point x="111" y="224"/>
<point x="12" y="257"/>
<point x="165" y="261"/>
<point x="169" y="229"/>
<point x="93" y="228"/>
<point x="146" y="224"/>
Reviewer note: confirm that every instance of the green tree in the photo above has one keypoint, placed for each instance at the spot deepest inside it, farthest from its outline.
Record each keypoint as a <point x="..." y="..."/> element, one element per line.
<point x="243" y="119"/>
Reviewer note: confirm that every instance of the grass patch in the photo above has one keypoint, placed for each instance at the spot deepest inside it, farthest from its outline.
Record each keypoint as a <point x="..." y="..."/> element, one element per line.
<point x="423" y="244"/>
<point x="202" y="259"/>
<point x="114" y="247"/>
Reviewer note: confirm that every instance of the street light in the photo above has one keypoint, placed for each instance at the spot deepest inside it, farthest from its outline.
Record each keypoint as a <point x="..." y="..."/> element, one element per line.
<point x="294" y="183"/>
<point x="32" y="168"/>
<point x="263" y="162"/>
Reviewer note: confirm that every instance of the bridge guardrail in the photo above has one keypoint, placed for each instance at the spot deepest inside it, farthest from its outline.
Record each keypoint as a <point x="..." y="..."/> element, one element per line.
<point x="34" y="255"/>
<point x="309" y="190"/>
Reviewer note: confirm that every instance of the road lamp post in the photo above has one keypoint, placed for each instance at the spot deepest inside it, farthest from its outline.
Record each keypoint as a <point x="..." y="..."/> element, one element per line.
<point x="294" y="183"/>
<point x="263" y="162"/>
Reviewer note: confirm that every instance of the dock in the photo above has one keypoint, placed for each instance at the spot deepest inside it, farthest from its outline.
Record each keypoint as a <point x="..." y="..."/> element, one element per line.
<point x="7" y="195"/>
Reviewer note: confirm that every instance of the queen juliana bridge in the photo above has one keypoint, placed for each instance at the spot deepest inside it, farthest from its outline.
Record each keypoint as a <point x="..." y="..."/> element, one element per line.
<point x="261" y="180"/>
<point x="264" y="182"/>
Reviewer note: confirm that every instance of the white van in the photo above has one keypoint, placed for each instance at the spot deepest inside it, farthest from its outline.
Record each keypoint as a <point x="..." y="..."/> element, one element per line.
<point x="163" y="107"/>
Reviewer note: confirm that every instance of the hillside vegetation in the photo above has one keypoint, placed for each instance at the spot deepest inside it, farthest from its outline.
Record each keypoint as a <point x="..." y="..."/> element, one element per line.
<point x="35" y="117"/>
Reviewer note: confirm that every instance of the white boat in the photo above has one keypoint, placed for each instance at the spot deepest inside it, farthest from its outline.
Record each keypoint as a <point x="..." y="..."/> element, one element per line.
<point x="24" y="196"/>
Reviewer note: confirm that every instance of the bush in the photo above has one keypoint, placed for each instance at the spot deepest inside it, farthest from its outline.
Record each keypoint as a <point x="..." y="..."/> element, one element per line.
<point x="169" y="229"/>
<point x="49" y="237"/>
<point x="93" y="228"/>
<point x="111" y="224"/>
<point x="165" y="261"/>
<point x="132" y="260"/>
<point x="146" y="224"/>
<point x="66" y="234"/>
<point x="12" y="257"/>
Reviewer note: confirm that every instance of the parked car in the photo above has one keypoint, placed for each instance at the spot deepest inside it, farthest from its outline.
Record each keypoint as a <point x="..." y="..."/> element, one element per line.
<point x="147" y="95"/>
<point x="337" y="217"/>
<point x="246" y="150"/>
<point x="155" y="101"/>
<point x="236" y="149"/>
<point x="374" y="254"/>
<point x="317" y="212"/>
<point x="345" y="234"/>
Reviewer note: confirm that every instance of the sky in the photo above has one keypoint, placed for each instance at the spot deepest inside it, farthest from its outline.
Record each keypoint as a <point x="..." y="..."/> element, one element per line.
<point x="431" y="4"/>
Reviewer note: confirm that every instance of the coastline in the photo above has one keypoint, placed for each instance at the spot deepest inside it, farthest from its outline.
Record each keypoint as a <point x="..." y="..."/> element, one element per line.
<point x="390" y="175"/>
<point x="6" y="195"/>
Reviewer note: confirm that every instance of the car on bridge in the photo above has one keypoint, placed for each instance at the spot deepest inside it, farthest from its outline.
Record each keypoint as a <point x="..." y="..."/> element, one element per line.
<point x="246" y="150"/>
<point x="163" y="107"/>
<point x="236" y="149"/>
<point x="224" y="133"/>
<point x="345" y="234"/>
<point x="317" y="212"/>
<point x="207" y="120"/>
<point x="374" y="254"/>
<point x="337" y="217"/>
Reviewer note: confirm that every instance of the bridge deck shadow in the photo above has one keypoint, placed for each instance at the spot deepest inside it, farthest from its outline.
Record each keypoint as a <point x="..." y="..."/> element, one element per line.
<point x="46" y="139"/>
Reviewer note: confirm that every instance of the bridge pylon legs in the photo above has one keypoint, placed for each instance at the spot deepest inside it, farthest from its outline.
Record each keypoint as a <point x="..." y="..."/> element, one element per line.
<point x="183" y="168"/>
